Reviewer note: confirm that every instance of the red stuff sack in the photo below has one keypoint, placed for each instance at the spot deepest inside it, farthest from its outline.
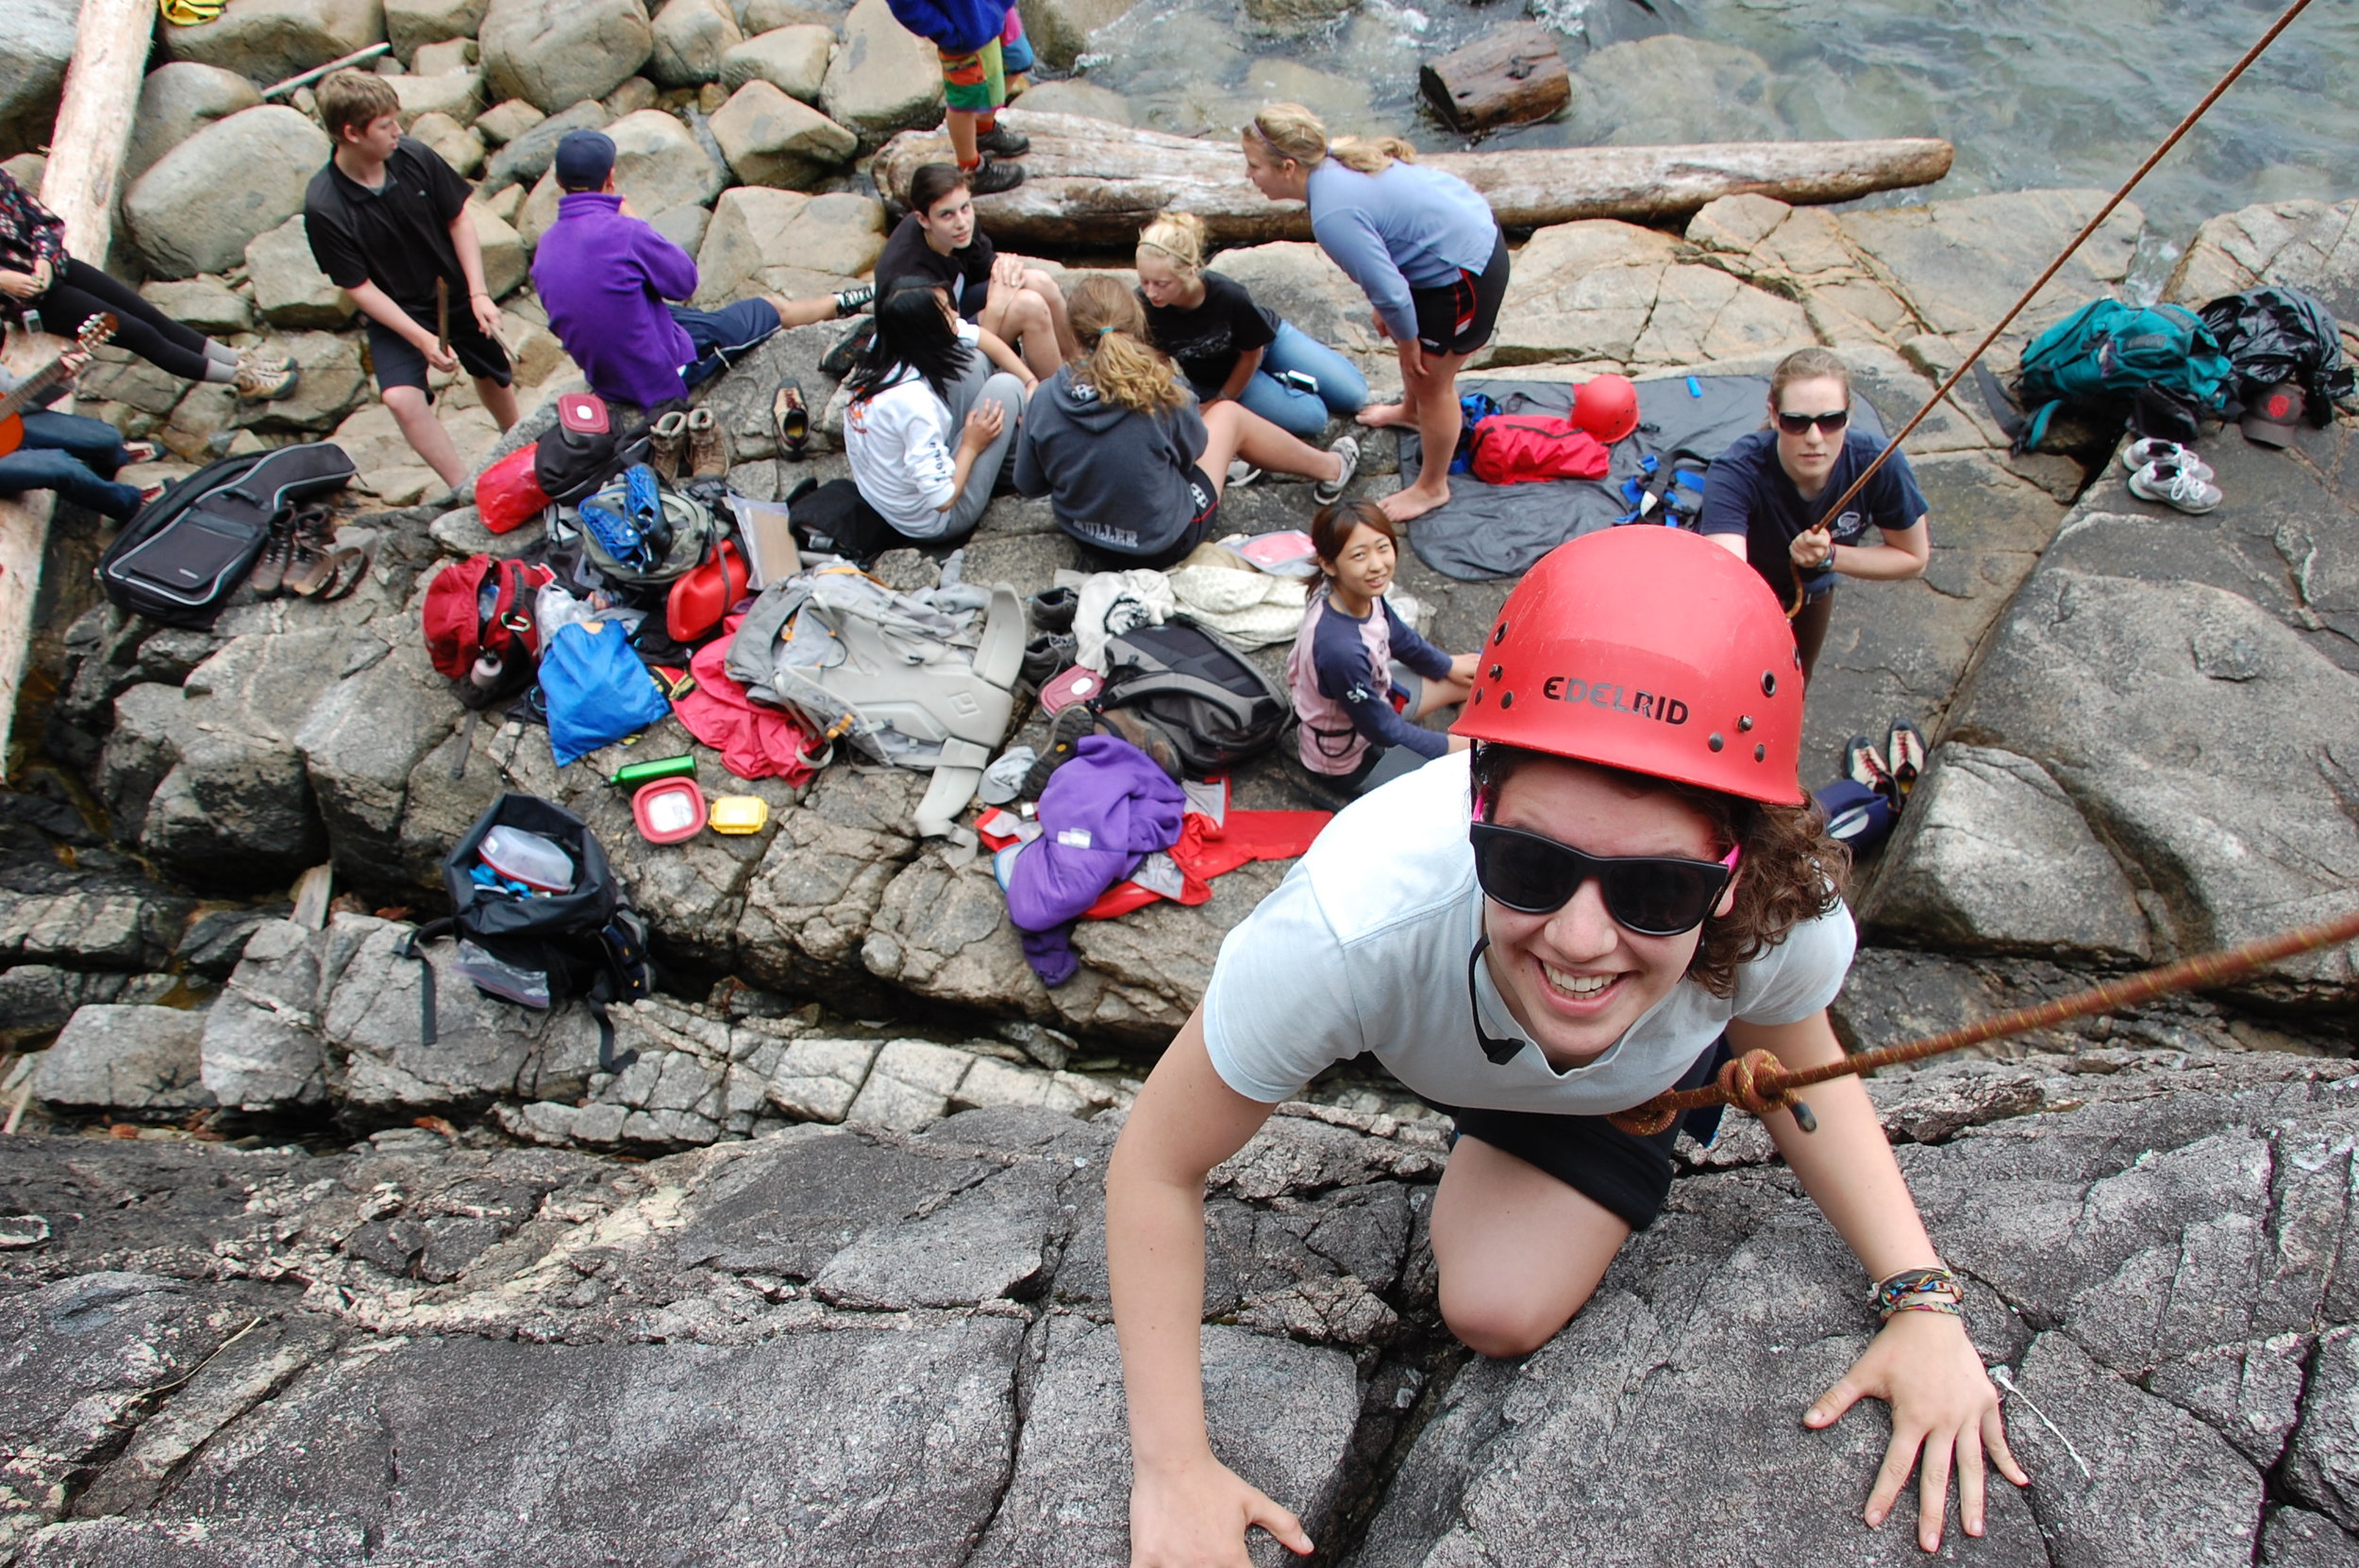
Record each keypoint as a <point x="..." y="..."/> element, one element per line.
<point x="477" y="608"/>
<point x="508" y="496"/>
<point x="1516" y="449"/>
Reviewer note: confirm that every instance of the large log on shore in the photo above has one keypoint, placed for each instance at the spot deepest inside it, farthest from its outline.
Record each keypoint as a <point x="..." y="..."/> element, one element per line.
<point x="86" y="152"/>
<point x="1089" y="181"/>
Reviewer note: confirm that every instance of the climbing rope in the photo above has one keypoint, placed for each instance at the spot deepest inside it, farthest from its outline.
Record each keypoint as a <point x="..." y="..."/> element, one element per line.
<point x="2053" y="267"/>
<point x="1757" y="1083"/>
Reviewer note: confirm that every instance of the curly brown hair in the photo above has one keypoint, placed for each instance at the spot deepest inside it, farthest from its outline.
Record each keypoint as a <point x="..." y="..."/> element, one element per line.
<point x="1790" y="870"/>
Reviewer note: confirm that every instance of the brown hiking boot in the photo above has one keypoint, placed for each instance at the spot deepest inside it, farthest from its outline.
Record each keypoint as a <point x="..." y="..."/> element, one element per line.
<point x="309" y="563"/>
<point x="1146" y="734"/>
<point x="708" y="445"/>
<point x="270" y="568"/>
<point x="668" y="440"/>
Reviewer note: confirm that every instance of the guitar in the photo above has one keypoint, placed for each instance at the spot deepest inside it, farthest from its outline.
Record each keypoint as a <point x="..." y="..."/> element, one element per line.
<point x="27" y="393"/>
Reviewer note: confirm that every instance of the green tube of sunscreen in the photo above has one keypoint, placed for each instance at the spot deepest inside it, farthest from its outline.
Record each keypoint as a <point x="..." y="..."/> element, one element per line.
<point x="633" y="775"/>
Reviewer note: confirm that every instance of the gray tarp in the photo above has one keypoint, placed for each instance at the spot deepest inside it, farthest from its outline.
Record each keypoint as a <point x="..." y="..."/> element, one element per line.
<point x="1499" y="530"/>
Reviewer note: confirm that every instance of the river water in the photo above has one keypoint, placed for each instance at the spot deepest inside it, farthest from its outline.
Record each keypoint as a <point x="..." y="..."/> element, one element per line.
<point x="2032" y="93"/>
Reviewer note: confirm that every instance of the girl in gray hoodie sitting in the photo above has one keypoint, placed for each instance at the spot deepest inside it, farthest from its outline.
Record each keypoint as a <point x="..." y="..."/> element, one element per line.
<point x="1131" y="464"/>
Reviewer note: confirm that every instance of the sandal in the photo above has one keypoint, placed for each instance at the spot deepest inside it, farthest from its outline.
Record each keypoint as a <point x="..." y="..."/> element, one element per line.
<point x="793" y="420"/>
<point x="347" y="569"/>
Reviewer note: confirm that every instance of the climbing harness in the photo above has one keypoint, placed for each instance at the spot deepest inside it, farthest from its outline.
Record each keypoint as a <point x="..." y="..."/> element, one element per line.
<point x="2095" y="223"/>
<point x="1757" y="1083"/>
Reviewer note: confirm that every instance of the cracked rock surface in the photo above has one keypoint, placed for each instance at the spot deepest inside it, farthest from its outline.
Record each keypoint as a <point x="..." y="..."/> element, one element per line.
<point x="849" y="1344"/>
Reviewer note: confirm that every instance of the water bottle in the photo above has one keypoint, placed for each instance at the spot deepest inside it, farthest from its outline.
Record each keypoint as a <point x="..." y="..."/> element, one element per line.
<point x="486" y="673"/>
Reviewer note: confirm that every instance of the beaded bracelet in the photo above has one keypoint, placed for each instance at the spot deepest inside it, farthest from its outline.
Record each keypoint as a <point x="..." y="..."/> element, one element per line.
<point x="1917" y="1291"/>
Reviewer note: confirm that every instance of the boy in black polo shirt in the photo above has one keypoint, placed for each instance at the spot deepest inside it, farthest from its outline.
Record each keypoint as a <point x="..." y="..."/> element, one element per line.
<point x="387" y="217"/>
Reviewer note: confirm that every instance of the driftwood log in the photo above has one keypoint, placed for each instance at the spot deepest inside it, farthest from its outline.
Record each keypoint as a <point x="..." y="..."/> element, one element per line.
<point x="86" y="151"/>
<point x="1089" y="181"/>
<point x="1512" y="76"/>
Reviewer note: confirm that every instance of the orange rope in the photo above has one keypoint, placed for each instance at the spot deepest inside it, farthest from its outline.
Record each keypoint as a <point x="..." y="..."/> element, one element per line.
<point x="1757" y="1083"/>
<point x="2053" y="267"/>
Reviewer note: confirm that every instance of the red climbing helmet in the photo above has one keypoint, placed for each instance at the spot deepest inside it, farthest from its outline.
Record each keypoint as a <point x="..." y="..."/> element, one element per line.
<point x="1606" y="407"/>
<point x="1652" y="649"/>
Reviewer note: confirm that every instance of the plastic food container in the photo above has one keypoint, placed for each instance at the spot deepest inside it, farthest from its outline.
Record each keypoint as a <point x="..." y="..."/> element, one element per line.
<point x="527" y="858"/>
<point x="740" y="814"/>
<point x="669" y="811"/>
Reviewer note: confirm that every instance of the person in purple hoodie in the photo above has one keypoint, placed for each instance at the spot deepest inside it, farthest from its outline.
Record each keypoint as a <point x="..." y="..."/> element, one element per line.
<point x="606" y="277"/>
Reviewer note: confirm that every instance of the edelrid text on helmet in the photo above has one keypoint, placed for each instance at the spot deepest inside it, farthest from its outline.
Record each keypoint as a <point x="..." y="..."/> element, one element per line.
<point x="1648" y="649"/>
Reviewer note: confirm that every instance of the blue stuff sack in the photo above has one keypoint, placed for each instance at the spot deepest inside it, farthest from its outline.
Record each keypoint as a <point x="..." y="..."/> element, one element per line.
<point x="1857" y="816"/>
<point x="596" y="689"/>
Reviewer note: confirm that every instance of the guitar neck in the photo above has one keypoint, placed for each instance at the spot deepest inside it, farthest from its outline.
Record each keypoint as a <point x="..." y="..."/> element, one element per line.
<point x="13" y="403"/>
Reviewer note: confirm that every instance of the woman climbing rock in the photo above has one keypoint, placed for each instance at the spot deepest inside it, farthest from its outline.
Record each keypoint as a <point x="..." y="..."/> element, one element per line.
<point x="1617" y="886"/>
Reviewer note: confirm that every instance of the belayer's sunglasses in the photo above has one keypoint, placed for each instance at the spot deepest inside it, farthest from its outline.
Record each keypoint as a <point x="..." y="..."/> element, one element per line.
<point x="1795" y="424"/>
<point x="1654" y="895"/>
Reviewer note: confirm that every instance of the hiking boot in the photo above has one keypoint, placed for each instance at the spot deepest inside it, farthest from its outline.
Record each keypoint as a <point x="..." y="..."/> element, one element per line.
<point x="260" y="382"/>
<point x="1052" y="609"/>
<point x="2166" y="454"/>
<point x="270" y="567"/>
<point x="2176" y="487"/>
<point x="1003" y="142"/>
<point x="851" y="302"/>
<point x="309" y="563"/>
<point x="1046" y="654"/>
<point x="1146" y="734"/>
<point x="1331" y="491"/>
<point x="1064" y="733"/>
<point x="838" y="362"/>
<point x="1904" y="749"/>
<point x="668" y="436"/>
<point x="990" y="176"/>
<point x="1862" y="764"/>
<point x="708" y="445"/>
<point x="791" y="418"/>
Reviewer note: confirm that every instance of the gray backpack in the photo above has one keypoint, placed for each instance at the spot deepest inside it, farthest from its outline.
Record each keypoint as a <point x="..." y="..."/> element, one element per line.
<point x="1198" y="688"/>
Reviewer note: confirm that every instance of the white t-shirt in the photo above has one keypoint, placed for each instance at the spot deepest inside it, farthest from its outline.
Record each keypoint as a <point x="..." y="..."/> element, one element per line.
<point x="1363" y="947"/>
<point x="904" y="454"/>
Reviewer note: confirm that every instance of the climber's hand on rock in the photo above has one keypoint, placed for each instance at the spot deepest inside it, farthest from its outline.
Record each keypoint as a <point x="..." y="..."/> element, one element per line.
<point x="1942" y="1403"/>
<point x="1195" y="1514"/>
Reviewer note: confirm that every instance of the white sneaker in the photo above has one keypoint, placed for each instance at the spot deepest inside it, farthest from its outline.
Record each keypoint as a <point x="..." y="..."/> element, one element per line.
<point x="2164" y="454"/>
<point x="1241" y="474"/>
<point x="2176" y="487"/>
<point x="1331" y="491"/>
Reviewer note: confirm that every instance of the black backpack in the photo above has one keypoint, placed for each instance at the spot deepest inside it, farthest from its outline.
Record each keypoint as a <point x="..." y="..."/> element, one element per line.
<point x="570" y="465"/>
<point x="2280" y="334"/>
<point x="587" y="943"/>
<point x="186" y="552"/>
<point x="1198" y="688"/>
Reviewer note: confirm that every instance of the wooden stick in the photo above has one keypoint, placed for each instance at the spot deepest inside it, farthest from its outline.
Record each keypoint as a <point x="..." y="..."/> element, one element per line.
<point x="86" y="152"/>
<point x="307" y="77"/>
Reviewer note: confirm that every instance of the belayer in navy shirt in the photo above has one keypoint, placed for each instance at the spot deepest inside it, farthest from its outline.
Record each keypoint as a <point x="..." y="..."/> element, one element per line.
<point x="1765" y="496"/>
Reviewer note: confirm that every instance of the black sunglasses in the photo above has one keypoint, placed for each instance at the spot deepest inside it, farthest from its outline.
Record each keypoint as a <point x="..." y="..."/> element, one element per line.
<point x="1795" y="424"/>
<point x="1654" y="895"/>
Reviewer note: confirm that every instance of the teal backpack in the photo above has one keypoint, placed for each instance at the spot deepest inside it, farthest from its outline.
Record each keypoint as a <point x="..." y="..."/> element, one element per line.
<point x="2107" y="349"/>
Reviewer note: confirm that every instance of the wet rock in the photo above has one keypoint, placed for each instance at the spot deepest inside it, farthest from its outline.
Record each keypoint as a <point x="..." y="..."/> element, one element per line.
<point x="771" y="139"/>
<point x="1992" y="853"/>
<point x="1079" y="97"/>
<point x="289" y="288"/>
<point x="1059" y="29"/>
<point x="879" y="81"/>
<point x="555" y="52"/>
<point x="793" y="60"/>
<point x="177" y="100"/>
<point x="266" y="39"/>
<point x="208" y="198"/>
<point x="137" y="1059"/>
<point x="691" y="36"/>
<point x="457" y="95"/>
<point x="413" y="24"/>
<point x="1672" y="89"/>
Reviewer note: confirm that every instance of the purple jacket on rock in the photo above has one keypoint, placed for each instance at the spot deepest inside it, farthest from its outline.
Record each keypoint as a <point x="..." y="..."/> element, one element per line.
<point x="1104" y="810"/>
<point x="603" y="278"/>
